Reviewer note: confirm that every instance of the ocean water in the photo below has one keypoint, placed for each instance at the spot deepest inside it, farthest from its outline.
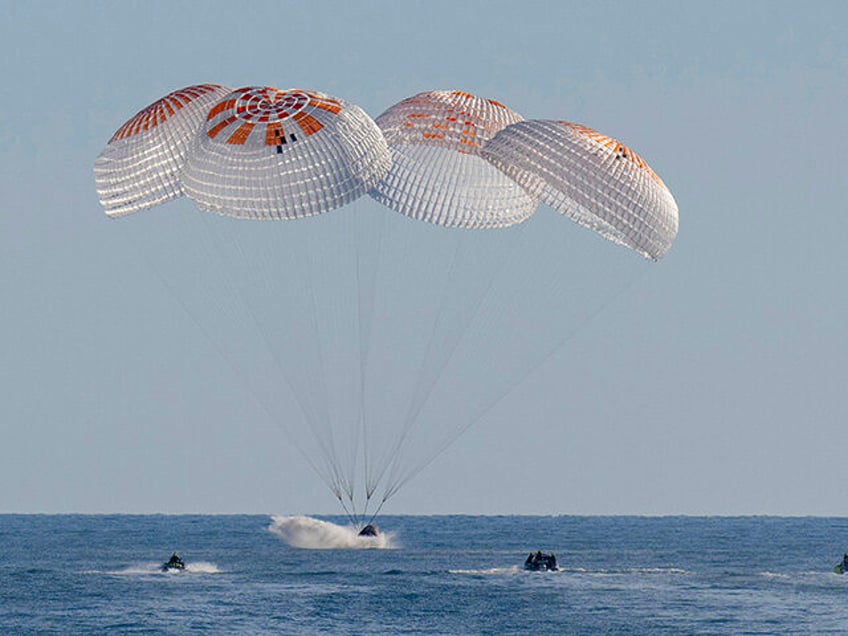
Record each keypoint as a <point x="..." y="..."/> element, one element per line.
<point x="78" y="574"/>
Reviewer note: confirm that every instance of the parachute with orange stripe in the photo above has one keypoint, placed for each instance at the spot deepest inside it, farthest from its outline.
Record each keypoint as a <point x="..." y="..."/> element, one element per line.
<point x="392" y="336"/>
<point x="592" y="179"/>
<point x="437" y="174"/>
<point x="141" y="165"/>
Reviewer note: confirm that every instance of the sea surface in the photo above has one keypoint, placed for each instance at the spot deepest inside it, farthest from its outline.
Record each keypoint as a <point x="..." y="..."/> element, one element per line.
<point x="99" y="574"/>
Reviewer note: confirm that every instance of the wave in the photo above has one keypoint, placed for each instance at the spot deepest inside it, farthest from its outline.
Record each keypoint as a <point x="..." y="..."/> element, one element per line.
<point x="309" y="533"/>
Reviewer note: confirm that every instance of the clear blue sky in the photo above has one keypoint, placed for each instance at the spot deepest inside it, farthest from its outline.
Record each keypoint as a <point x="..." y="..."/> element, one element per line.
<point x="714" y="385"/>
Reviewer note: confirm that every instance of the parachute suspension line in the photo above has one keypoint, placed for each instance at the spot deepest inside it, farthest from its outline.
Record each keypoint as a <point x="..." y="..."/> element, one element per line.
<point x="327" y="445"/>
<point x="399" y="441"/>
<point x="226" y="356"/>
<point x="330" y="474"/>
<point x="364" y="334"/>
<point x="346" y="437"/>
<point x="365" y="343"/>
<point x="527" y="373"/>
<point x="379" y="508"/>
<point x="363" y="239"/>
<point x="350" y="516"/>
<point x="422" y="397"/>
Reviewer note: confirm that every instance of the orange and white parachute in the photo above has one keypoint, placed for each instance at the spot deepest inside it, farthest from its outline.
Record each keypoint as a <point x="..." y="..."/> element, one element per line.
<point x="445" y="157"/>
<point x="437" y="173"/>
<point x="270" y="154"/>
<point x="255" y="152"/>
<point x="141" y="165"/>
<point x="591" y="178"/>
<point x="392" y="336"/>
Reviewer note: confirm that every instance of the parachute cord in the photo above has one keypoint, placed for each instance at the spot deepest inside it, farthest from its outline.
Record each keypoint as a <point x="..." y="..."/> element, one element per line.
<point x="367" y="503"/>
<point x="313" y="316"/>
<point x="312" y="418"/>
<point x="394" y="487"/>
<point x="365" y="349"/>
<point x="350" y="498"/>
<point x="409" y="419"/>
<point x="364" y="332"/>
<point x="333" y="479"/>
<point x="416" y="408"/>
<point x="351" y="517"/>
<point x="360" y="416"/>
<point x="234" y="367"/>
<point x="377" y="511"/>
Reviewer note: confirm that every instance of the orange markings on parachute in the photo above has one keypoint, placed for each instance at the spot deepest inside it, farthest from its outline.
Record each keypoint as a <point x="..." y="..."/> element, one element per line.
<point x="494" y="103"/>
<point x="219" y="108"/>
<point x="158" y="112"/>
<point x="213" y="132"/>
<point x="619" y="150"/>
<point x="328" y="105"/>
<point x="273" y="134"/>
<point x="433" y="136"/>
<point x="180" y="99"/>
<point x="463" y="94"/>
<point x="308" y="124"/>
<point x="241" y="134"/>
<point x="138" y="124"/>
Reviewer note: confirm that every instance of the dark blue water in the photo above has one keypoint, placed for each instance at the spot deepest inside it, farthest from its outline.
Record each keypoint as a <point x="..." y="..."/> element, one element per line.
<point x="446" y="575"/>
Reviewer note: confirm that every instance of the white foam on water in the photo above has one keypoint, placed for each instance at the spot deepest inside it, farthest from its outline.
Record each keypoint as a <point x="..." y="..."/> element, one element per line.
<point x="313" y="534"/>
<point x="149" y="569"/>
<point x="202" y="567"/>
<point x="489" y="571"/>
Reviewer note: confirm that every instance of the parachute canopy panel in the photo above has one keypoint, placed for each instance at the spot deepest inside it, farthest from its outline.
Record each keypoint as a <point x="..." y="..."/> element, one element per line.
<point x="437" y="174"/>
<point x="269" y="154"/>
<point x="140" y="166"/>
<point x="591" y="178"/>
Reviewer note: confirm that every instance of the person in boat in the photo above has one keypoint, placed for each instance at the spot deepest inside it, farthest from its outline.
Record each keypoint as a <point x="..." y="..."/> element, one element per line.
<point x="541" y="561"/>
<point x="369" y="531"/>
<point x="842" y="568"/>
<point x="174" y="563"/>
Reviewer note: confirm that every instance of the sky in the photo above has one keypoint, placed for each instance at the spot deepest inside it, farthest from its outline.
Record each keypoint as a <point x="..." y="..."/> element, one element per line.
<point x="713" y="385"/>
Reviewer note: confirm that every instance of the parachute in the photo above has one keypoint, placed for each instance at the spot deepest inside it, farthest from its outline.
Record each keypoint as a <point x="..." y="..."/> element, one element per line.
<point x="372" y="338"/>
<point x="141" y="165"/>
<point x="591" y="178"/>
<point x="269" y="154"/>
<point x="437" y="174"/>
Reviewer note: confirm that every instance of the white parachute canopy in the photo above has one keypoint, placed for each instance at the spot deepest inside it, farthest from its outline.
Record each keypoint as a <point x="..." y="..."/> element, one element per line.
<point x="437" y="174"/>
<point x="591" y="178"/>
<point x="270" y="154"/>
<point x="371" y="338"/>
<point x="141" y="165"/>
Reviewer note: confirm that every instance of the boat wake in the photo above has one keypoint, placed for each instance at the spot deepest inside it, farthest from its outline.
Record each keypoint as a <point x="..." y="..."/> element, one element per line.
<point x="149" y="569"/>
<point x="490" y="571"/>
<point x="313" y="534"/>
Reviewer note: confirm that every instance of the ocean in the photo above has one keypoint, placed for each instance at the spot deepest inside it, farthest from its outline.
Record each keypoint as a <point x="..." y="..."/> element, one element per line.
<point x="246" y="574"/>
